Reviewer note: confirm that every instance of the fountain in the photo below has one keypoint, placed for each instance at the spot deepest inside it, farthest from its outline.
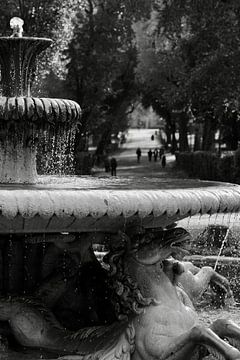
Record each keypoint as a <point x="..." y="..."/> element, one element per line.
<point x="48" y="224"/>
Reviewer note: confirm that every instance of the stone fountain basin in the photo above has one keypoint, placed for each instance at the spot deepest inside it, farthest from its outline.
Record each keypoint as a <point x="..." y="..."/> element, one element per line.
<point x="87" y="204"/>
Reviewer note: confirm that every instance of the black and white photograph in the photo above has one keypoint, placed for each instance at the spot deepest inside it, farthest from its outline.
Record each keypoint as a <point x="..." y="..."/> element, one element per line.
<point x="119" y="179"/>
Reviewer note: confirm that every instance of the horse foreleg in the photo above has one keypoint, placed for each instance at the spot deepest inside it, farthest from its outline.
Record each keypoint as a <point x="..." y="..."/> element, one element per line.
<point x="222" y="282"/>
<point x="227" y="329"/>
<point x="185" y="346"/>
<point x="196" y="284"/>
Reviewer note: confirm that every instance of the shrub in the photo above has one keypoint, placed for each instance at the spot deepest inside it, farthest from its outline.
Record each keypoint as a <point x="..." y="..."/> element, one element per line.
<point x="201" y="164"/>
<point x="227" y="168"/>
<point x="237" y="166"/>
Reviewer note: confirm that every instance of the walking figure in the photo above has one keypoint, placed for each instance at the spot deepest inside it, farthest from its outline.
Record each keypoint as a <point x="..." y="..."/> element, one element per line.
<point x="152" y="137"/>
<point x="150" y="155"/>
<point x="113" y="164"/>
<point x="155" y="154"/>
<point x="163" y="161"/>
<point x="161" y="153"/>
<point x="139" y="153"/>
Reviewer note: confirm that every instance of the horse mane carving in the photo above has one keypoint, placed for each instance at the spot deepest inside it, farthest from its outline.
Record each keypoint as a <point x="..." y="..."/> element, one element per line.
<point x="126" y="297"/>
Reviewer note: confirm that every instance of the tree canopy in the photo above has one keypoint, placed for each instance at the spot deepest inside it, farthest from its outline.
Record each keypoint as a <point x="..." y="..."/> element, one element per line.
<point x="188" y="53"/>
<point x="102" y="60"/>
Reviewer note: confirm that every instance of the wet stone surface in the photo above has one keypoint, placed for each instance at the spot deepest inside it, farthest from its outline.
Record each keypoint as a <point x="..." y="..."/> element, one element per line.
<point x="130" y="182"/>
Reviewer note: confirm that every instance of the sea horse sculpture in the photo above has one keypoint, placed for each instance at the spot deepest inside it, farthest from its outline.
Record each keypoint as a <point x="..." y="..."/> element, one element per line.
<point x="155" y="325"/>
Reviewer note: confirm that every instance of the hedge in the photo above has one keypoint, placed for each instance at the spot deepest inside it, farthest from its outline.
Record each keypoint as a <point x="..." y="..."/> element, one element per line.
<point x="209" y="166"/>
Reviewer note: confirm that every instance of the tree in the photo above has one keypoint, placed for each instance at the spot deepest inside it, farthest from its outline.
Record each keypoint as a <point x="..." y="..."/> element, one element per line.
<point x="194" y="45"/>
<point x="102" y="58"/>
<point x="161" y="75"/>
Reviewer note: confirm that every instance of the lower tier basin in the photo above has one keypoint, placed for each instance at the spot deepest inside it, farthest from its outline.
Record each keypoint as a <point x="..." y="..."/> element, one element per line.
<point x="82" y="204"/>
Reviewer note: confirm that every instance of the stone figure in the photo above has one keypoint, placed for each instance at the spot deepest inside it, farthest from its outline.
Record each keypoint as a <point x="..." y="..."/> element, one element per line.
<point x="16" y="25"/>
<point x="153" y="322"/>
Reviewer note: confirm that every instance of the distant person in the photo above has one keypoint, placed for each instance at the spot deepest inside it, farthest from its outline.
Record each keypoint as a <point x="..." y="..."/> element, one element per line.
<point x="163" y="161"/>
<point x="150" y="155"/>
<point x="113" y="164"/>
<point x="139" y="153"/>
<point x="161" y="152"/>
<point x="155" y="154"/>
<point x="152" y="137"/>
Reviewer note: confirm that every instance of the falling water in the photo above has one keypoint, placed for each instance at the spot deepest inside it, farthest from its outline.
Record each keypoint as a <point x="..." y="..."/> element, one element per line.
<point x="221" y="248"/>
<point x="56" y="153"/>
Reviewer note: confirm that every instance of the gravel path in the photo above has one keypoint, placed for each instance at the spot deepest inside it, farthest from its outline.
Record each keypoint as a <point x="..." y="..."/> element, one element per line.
<point x="127" y="159"/>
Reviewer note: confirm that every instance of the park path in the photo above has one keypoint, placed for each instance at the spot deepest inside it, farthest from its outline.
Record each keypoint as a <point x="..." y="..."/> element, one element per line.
<point x="127" y="159"/>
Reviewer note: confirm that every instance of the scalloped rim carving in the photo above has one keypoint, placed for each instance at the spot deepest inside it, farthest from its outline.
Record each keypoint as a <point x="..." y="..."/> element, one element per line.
<point x="81" y="203"/>
<point x="33" y="109"/>
<point x="33" y="209"/>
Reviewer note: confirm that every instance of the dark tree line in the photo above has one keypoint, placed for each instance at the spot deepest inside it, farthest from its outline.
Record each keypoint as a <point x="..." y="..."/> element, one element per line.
<point x="188" y="65"/>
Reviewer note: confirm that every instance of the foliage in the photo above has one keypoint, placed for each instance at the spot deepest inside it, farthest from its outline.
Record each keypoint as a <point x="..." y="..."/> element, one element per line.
<point x="226" y="168"/>
<point x="201" y="164"/>
<point x="188" y="58"/>
<point x="229" y="126"/>
<point x="102" y="58"/>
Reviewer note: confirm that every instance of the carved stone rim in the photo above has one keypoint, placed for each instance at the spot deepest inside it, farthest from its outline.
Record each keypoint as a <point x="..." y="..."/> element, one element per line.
<point x="17" y="109"/>
<point x="33" y="209"/>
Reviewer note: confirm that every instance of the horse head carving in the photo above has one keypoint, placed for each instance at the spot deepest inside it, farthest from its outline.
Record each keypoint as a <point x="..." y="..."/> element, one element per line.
<point x="136" y="267"/>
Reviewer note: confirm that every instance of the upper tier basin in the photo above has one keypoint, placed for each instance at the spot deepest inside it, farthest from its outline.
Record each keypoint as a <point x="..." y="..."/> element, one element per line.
<point x="76" y="204"/>
<point x="18" y="63"/>
<point x="25" y="119"/>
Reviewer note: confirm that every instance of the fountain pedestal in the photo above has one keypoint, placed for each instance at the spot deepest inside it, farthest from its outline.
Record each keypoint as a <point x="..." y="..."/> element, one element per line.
<point x="24" y="118"/>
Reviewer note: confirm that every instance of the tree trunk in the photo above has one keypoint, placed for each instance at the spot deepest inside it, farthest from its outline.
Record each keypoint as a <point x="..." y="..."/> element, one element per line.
<point x="168" y="134"/>
<point x="183" y="132"/>
<point x="170" y="131"/>
<point x="234" y="131"/>
<point x="197" y="138"/>
<point x="208" y="143"/>
<point x="197" y="141"/>
<point x="174" y="141"/>
<point x="105" y="139"/>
